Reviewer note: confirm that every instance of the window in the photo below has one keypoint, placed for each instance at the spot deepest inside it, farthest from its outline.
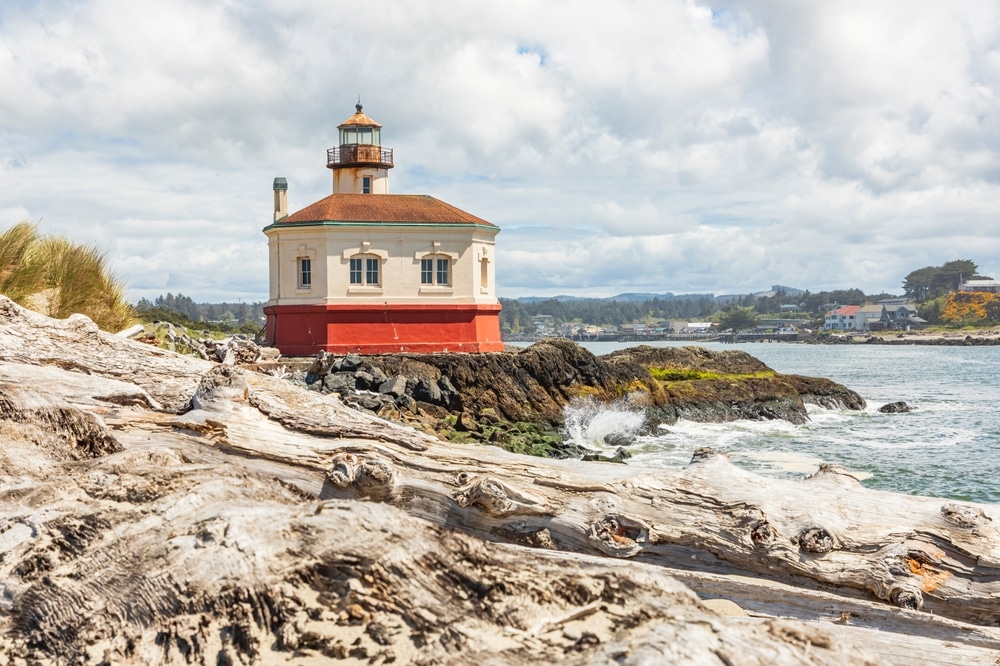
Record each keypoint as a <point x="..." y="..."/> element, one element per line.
<point x="366" y="185"/>
<point x="305" y="273"/>
<point x="365" y="271"/>
<point x="484" y="274"/>
<point x="435" y="271"/>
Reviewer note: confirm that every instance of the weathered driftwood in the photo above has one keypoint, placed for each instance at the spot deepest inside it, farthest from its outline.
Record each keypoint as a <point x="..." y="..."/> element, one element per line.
<point x="268" y="519"/>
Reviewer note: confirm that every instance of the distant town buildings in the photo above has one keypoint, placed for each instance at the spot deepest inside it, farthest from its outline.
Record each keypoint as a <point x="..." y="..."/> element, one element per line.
<point x="890" y="313"/>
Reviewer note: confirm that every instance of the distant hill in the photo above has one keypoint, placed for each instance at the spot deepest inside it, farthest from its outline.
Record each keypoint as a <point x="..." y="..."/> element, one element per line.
<point x="641" y="297"/>
<point x="619" y="298"/>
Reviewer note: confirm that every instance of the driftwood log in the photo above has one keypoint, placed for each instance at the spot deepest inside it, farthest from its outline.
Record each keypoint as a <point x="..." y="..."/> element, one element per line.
<point x="156" y="508"/>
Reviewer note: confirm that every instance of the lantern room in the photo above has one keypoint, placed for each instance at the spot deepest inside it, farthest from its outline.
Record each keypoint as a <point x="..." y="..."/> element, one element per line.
<point x="360" y="164"/>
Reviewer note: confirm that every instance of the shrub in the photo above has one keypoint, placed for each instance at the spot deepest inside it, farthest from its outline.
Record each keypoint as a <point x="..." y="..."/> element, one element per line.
<point x="971" y="308"/>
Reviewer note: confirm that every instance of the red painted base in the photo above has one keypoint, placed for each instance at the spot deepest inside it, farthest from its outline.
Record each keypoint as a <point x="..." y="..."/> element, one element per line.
<point x="303" y="330"/>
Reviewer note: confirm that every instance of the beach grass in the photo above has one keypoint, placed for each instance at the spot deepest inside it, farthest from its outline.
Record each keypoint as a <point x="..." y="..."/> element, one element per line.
<point x="57" y="277"/>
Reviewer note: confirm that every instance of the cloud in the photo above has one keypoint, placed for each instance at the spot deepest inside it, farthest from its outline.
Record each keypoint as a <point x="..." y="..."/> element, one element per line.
<point x="658" y="145"/>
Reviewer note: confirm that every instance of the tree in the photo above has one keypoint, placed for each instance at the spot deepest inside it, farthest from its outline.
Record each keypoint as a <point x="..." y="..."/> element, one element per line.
<point x="738" y="319"/>
<point x="930" y="282"/>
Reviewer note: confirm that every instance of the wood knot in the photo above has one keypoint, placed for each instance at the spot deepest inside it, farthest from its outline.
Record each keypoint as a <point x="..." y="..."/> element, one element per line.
<point x="963" y="516"/>
<point x="489" y="495"/>
<point x="816" y="540"/>
<point x="618" y="536"/>
<point x="763" y="534"/>
<point x="906" y="597"/>
<point x="367" y="475"/>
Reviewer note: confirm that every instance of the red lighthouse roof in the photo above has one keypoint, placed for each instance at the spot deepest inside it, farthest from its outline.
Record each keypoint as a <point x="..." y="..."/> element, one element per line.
<point x="384" y="208"/>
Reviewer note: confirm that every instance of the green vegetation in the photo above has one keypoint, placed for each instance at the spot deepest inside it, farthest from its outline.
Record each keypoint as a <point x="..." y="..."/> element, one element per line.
<point x="738" y="319"/>
<point x="56" y="277"/>
<point x="686" y="374"/>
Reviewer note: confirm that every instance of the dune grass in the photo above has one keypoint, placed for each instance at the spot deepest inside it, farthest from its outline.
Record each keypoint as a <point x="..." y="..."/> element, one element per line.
<point x="56" y="277"/>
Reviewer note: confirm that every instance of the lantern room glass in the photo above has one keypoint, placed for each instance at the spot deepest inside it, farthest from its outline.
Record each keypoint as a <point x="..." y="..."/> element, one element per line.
<point x="366" y="136"/>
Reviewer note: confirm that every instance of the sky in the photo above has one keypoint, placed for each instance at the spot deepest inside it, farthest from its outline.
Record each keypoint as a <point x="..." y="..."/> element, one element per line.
<point x="622" y="146"/>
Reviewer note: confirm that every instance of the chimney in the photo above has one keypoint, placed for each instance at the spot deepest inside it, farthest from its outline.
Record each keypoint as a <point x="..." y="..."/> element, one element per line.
<point x="280" y="198"/>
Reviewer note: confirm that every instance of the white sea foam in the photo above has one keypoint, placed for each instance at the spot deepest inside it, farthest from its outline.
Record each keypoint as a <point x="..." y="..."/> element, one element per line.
<point x="589" y="422"/>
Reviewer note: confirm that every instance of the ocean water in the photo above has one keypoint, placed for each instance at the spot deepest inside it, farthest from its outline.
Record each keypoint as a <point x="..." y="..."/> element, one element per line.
<point x="949" y="446"/>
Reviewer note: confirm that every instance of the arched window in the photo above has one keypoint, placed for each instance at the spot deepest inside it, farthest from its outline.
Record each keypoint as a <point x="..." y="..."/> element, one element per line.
<point x="435" y="269"/>
<point x="366" y="270"/>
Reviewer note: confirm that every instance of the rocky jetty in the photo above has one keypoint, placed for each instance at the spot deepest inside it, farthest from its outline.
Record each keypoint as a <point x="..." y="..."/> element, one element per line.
<point x="516" y="399"/>
<point x="163" y="509"/>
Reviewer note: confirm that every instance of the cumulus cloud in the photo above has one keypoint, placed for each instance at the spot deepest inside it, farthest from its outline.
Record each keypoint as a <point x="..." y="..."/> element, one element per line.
<point x="650" y="146"/>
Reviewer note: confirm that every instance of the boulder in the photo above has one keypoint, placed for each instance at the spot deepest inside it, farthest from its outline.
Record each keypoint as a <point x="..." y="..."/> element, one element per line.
<point x="395" y="386"/>
<point x="363" y="381"/>
<point x="427" y="391"/>
<point x="406" y="402"/>
<point x="351" y="362"/>
<point x="339" y="382"/>
<point x="899" y="407"/>
<point x="619" y="439"/>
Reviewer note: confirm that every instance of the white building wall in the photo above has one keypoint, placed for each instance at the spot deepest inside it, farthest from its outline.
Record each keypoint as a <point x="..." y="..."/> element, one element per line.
<point x="399" y="250"/>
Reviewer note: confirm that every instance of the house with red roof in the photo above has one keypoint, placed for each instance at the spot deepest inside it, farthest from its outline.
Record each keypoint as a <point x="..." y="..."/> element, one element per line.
<point x="370" y="272"/>
<point x="842" y="319"/>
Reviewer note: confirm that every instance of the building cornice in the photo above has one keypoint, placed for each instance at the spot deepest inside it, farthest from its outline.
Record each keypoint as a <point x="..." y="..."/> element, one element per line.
<point x="493" y="229"/>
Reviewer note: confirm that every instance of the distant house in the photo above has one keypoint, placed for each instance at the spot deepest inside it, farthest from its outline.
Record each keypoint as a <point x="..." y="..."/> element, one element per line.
<point x="900" y="313"/>
<point x="841" y="319"/>
<point x="890" y="313"/>
<point x="989" y="286"/>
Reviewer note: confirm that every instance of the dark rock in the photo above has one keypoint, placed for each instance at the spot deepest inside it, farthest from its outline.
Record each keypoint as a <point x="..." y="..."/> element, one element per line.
<point x="377" y="375"/>
<point x="432" y="410"/>
<point x="370" y="402"/>
<point x="533" y="385"/>
<point x="619" y="439"/>
<point x="406" y="402"/>
<point x="450" y="396"/>
<point x="363" y="381"/>
<point x="895" y="408"/>
<point x="351" y="363"/>
<point x="339" y="382"/>
<point x="396" y="386"/>
<point x="427" y="391"/>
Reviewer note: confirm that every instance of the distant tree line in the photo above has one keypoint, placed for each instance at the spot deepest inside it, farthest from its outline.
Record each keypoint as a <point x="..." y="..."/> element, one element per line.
<point x="181" y="309"/>
<point x="517" y="316"/>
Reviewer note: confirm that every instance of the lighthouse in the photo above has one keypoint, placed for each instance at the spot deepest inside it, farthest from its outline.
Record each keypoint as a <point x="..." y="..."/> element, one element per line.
<point x="370" y="272"/>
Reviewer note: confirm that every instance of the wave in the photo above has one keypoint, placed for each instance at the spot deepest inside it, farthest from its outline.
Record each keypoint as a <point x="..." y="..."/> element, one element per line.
<point x="589" y="423"/>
